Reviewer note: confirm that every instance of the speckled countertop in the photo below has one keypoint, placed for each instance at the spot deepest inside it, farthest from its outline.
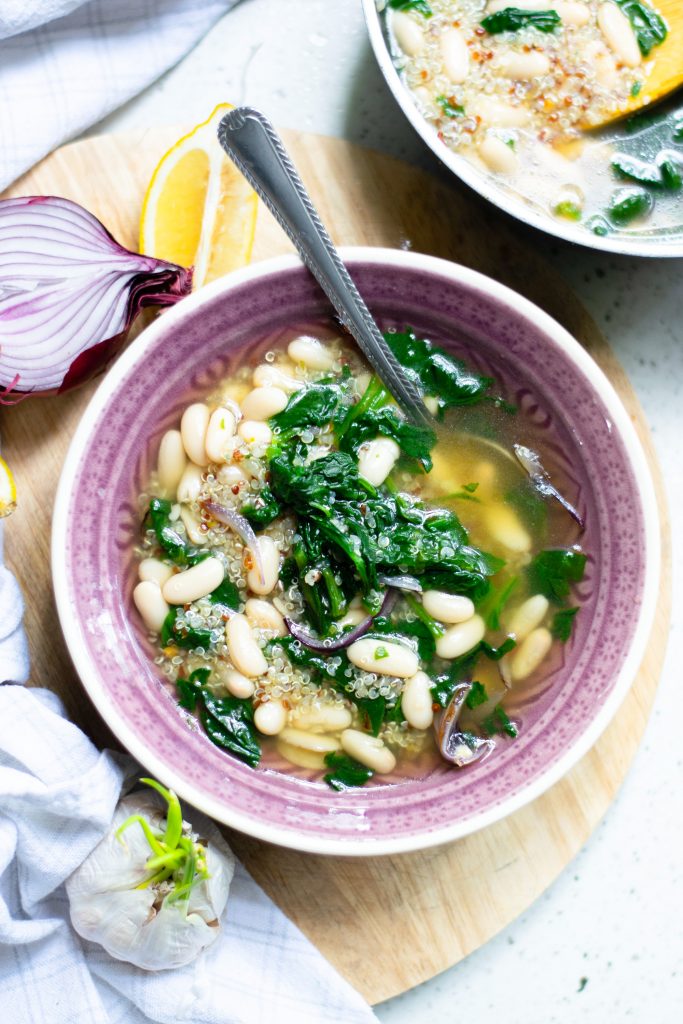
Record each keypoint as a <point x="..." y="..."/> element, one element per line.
<point x="605" y="943"/>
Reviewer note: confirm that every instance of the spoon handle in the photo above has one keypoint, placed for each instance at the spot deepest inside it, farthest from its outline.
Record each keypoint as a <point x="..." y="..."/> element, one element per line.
<point x="254" y="146"/>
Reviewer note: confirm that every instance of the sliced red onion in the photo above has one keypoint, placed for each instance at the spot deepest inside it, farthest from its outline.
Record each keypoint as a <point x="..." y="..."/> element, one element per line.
<point x="69" y="293"/>
<point x="241" y="526"/>
<point x="454" y="745"/>
<point x="401" y="583"/>
<point x="329" y="646"/>
<point x="531" y="464"/>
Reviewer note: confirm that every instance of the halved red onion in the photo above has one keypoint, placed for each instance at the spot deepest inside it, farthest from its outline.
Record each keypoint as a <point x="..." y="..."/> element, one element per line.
<point x="531" y="464"/>
<point x="239" y="525"/>
<point x="329" y="646"/>
<point x="68" y="294"/>
<point x="454" y="745"/>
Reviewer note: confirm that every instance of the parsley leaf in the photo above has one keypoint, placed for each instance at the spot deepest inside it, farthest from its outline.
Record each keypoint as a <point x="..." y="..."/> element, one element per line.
<point x="346" y="772"/>
<point x="476" y="696"/>
<point x="513" y="18"/>
<point x="448" y="108"/>
<point x="552" y="572"/>
<point x="498" y="722"/>
<point x="563" y="623"/>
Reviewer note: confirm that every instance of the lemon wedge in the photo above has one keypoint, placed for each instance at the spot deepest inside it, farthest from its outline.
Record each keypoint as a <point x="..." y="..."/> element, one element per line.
<point x="8" y="490"/>
<point x="198" y="209"/>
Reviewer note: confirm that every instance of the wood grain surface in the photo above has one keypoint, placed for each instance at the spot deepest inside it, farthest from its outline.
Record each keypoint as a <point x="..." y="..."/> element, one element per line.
<point x="386" y="923"/>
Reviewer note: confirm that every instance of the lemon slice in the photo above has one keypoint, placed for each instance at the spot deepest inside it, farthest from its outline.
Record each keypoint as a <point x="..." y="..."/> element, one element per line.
<point x="8" y="490"/>
<point x="199" y="210"/>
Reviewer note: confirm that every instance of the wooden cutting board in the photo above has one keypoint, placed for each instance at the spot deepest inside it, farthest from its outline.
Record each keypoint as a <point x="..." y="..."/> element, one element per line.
<point x="386" y="923"/>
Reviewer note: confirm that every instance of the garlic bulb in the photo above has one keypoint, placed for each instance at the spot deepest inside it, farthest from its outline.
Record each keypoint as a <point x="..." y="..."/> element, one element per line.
<point x="151" y="893"/>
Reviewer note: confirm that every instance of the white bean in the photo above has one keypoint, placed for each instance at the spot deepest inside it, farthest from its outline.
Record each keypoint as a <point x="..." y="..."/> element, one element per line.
<point x="314" y="741"/>
<point x="507" y="529"/>
<point x="193" y="427"/>
<point x="220" y="435"/>
<point x="530" y="653"/>
<point x="271" y="376"/>
<point x="255" y="432"/>
<point x="198" y="581"/>
<point x="447" y="607"/>
<point x="231" y="476"/>
<point x="270" y="561"/>
<point x="496" y="113"/>
<point x="309" y="352"/>
<point x="321" y="717"/>
<point x="616" y="28"/>
<point x="353" y="617"/>
<point x="262" y="403"/>
<point x="528" y="615"/>
<point x="461" y="638"/>
<point x="408" y="33"/>
<point x="171" y="462"/>
<point x="572" y="13"/>
<point x="369" y="750"/>
<point x="245" y="653"/>
<point x="497" y="155"/>
<point x="522" y="66"/>
<point x="416" y="701"/>
<point x="155" y="570"/>
<point x="455" y="55"/>
<point x="384" y="657"/>
<point x="265" y="615"/>
<point x="377" y="458"/>
<point x="150" y="602"/>
<point x="300" y="757"/>
<point x="600" y="60"/>
<point x="192" y="525"/>
<point x="270" y="718"/>
<point x="237" y="684"/>
<point x="190" y="484"/>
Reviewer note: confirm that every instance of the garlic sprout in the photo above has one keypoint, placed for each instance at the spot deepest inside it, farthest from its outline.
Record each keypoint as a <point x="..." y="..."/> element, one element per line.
<point x="152" y="892"/>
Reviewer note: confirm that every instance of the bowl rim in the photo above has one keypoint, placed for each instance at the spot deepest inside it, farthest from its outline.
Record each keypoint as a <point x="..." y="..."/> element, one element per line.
<point x="87" y="668"/>
<point x="479" y="182"/>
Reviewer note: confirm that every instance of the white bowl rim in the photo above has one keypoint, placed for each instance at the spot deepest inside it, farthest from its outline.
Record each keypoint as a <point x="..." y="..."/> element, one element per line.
<point x="623" y="245"/>
<point x="87" y="668"/>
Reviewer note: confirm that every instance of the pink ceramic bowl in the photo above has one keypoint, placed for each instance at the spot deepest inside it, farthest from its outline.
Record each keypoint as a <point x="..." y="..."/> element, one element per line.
<point x="556" y="387"/>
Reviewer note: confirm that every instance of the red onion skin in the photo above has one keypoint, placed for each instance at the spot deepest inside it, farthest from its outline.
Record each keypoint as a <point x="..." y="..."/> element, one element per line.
<point x="163" y="287"/>
<point x="330" y="646"/>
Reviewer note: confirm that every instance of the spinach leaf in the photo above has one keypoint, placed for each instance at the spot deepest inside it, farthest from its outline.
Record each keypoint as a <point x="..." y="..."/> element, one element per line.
<point x="346" y="772"/>
<point x="665" y="173"/>
<point x="493" y="605"/>
<point x="226" y="594"/>
<point x="417" y="633"/>
<point x="421" y="6"/>
<point x="263" y="509"/>
<point x="563" y="623"/>
<point x="374" y="709"/>
<point x="499" y="722"/>
<point x="414" y="441"/>
<point x="174" y="632"/>
<point x="313" y="406"/>
<point x="461" y="669"/>
<point x="552" y="572"/>
<point x="228" y="721"/>
<point x="649" y="27"/>
<point x="512" y="19"/>
<point x="171" y="542"/>
<point x="436" y="372"/>
<point x="629" y="203"/>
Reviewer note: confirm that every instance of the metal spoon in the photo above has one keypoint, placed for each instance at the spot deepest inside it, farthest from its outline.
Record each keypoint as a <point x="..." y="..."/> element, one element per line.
<point x="252" y="143"/>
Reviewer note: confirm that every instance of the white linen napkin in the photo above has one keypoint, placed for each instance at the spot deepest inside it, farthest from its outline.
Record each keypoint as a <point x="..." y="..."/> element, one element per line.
<point x="66" y="64"/>
<point x="57" y="798"/>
